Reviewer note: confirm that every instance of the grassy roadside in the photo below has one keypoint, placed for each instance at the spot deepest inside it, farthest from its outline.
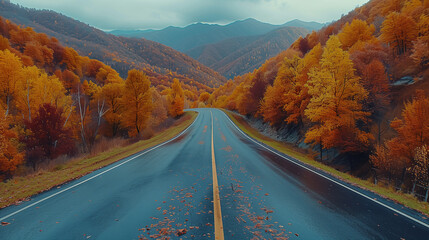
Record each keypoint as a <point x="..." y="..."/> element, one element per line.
<point x="405" y="199"/>
<point x="20" y="188"/>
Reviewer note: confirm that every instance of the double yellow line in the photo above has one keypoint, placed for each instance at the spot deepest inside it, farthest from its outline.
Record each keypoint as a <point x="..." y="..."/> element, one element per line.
<point x="216" y="199"/>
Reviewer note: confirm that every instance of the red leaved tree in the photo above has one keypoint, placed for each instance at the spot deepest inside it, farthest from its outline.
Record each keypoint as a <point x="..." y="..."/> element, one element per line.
<point x="48" y="137"/>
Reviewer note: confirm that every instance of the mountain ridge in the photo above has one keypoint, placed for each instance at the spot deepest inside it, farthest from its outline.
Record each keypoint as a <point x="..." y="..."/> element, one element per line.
<point x="198" y="34"/>
<point x="237" y="56"/>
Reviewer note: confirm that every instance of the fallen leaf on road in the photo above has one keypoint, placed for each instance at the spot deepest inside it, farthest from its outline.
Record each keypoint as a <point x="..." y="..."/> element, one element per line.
<point x="4" y="223"/>
<point x="181" y="232"/>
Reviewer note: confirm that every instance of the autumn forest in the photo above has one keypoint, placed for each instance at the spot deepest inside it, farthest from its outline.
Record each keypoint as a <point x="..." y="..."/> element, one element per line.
<point x="56" y="102"/>
<point x="338" y="89"/>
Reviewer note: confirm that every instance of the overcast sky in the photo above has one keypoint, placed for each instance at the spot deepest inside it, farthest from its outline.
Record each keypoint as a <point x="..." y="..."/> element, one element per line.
<point x="157" y="14"/>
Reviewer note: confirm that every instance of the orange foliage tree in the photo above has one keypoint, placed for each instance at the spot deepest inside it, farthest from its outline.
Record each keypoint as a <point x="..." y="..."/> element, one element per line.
<point x="412" y="129"/>
<point x="420" y="53"/>
<point x="160" y="109"/>
<point x="112" y="94"/>
<point x="399" y="31"/>
<point x="336" y="103"/>
<point x="10" y="75"/>
<point x="420" y="169"/>
<point x="382" y="160"/>
<point x="297" y="96"/>
<point x="137" y="102"/>
<point x="10" y="157"/>
<point x="176" y="99"/>
<point x="374" y="80"/>
<point x="354" y="35"/>
<point x="272" y="105"/>
<point x="204" y="97"/>
<point x="406" y="151"/>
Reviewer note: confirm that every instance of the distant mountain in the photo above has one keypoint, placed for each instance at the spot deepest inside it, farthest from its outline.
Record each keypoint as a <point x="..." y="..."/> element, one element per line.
<point x="311" y="26"/>
<point x="237" y="56"/>
<point x="199" y="34"/>
<point x="129" y="33"/>
<point x="119" y="52"/>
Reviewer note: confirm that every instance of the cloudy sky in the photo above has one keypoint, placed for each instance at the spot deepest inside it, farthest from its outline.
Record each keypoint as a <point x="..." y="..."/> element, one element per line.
<point x="157" y="14"/>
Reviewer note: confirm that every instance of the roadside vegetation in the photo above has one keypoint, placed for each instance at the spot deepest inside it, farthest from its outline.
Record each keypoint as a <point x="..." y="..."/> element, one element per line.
<point x="21" y="188"/>
<point x="308" y="157"/>
<point x="356" y="91"/>
<point x="55" y="103"/>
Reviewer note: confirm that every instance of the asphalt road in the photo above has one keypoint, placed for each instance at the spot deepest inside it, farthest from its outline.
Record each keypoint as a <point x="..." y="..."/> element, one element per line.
<point x="262" y="195"/>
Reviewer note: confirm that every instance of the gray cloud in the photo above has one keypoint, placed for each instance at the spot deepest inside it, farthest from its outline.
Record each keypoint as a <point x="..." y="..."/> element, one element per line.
<point x="156" y="14"/>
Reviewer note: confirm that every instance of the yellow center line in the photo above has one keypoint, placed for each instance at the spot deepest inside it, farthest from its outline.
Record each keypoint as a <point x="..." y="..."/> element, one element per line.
<point x="216" y="199"/>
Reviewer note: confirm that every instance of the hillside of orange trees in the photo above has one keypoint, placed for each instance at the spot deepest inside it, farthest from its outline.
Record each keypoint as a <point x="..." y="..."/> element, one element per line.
<point x="161" y="63"/>
<point x="54" y="102"/>
<point x="339" y="89"/>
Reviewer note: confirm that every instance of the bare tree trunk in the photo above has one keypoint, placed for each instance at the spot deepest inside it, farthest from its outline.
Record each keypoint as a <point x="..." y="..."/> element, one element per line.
<point x="389" y="178"/>
<point x="100" y="114"/>
<point x="427" y="193"/>
<point x="82" y="114"/>
<point x="379" y="132"/>
<point x="70" y="112"/>
<point x="7" y="105"/>
<point x="375" y="176"/>
<point x="404" y="170"/>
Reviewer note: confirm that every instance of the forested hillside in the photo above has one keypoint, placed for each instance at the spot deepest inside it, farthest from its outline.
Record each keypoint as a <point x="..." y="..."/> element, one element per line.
<point x="122" y="54"/>
<point x="55" y="102"/>
<point x="237" y="56"/>
<point x="339" y="89"/>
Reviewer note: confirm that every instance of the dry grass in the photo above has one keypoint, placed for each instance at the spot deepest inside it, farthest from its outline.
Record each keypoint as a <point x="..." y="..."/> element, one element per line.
<point x="405" y="199"/>
<point x="21" y="188"/>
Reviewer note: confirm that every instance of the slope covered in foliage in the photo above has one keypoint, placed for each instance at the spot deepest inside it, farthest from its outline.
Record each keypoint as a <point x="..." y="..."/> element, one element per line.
<point x="338" y="88"/>
<point x="122" y="54"/>
<point x="54" y="102"/>
<point x="237" y="56"/>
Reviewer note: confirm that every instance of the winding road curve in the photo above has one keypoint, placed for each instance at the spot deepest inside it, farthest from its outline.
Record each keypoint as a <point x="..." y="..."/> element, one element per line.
<point x="257" y="192"/>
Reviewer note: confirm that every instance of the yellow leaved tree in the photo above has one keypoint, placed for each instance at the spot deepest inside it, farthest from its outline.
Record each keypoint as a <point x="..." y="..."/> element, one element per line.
<point x="10" y="74"/>
<point x="137" y="102"/>
<point x="353" y="36"/>
<point x="176" y="99"/>
<point x="336" y="102"/>
<point x="112" y="94"/>
<point x="399" y="31"/>
<point x="38" y="88"/>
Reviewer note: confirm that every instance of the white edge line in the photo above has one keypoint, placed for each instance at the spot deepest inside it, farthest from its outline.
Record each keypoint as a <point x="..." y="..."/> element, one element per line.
<point x="332" y="180"/>
<point x="103" y="172"/>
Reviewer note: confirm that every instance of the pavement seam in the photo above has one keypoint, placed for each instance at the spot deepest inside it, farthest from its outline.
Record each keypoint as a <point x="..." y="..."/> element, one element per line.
<point x="218" y="224"/>
<point x="99" y="174"/>
<point x="330" y="179"/>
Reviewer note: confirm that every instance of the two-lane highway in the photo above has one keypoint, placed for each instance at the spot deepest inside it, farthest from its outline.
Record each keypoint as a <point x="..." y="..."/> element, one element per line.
<point x="168" y="191"/>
